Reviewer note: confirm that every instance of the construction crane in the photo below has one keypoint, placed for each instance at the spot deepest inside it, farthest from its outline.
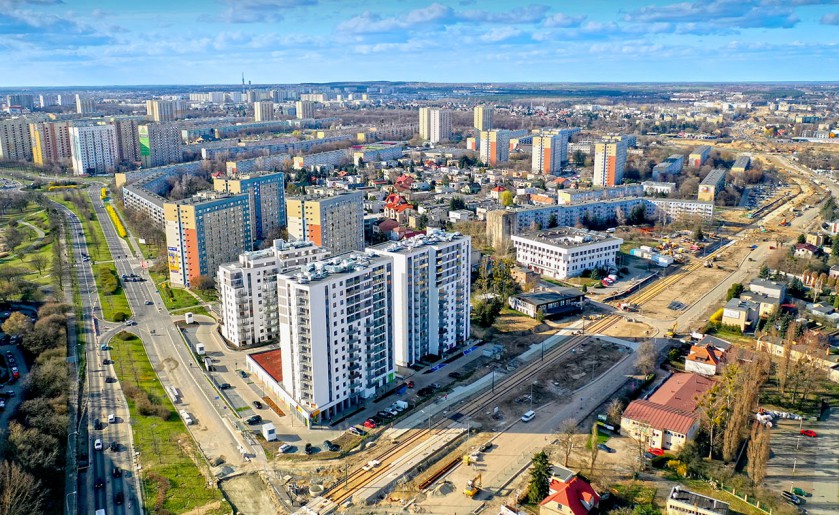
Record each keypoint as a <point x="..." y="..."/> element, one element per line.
<point x="473" y="486"/>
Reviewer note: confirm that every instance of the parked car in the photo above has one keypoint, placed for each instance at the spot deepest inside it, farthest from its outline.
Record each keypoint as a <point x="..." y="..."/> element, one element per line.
<point x="791" y="497"/>
<point x="284" y="448"/>
<point x="455" y="375"/>
<point x="425" y="392"/>
<point x="370" y="424"/>
<point x="308" y="448"/>
<point x="149" y="303"/>
<point x="11" y="360"/>
<point x="243" y="374"/>
<point x="106" y="361"/>
<point x="383" y="414"/>
<point x="114" y="446"/>
<point x="112" y="419"/>
<point x="224" y="386"/>
<point x="648" y="455"/>
<point x="97" y="424"/>
<point x="97" y="444"/>
<point x="410" y="384"/>
<point x="484" y="447"/>
<point x="110" y="379"/>
<point x="604" y="447"/>
<point x="809" y="433"/>
<point x="331" y="446"/>
<point x="356" y="431"/>
<point x="256" y="419"/>
<point x="257" y="404"/>
<point x="15" y="373"/>
<point x="117" y="472"/>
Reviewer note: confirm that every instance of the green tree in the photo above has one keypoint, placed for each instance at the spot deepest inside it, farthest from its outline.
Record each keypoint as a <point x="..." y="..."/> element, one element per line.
<point x="801" y="238"/>
<point x="834" y="247"/>
<point x="506" y="198"/>
<point x="734" y="291"/>
<point x="540" y="476"/>
<point x="552" y="221"/>
<point x="698" y="235"/>
<point x="764" y="272"/>
<point x="457" y="203"/>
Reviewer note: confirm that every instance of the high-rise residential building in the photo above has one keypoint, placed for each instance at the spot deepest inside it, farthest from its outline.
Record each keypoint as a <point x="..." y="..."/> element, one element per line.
<point x="263" y="111"/>
<point x="336" y="334"/>
<point x="248" y="290"/>
<point x="305" y="109"/>
<point x="609" y="162"/>
<point x="128" y="140"/>
<point x="483" y="118"/>
<point x="22" y="100"/>
<point x="494" y="147"/>
<point x="85" y="105"/>
<point x="431" y="291"/>
<point x="49" y="100"/>
<point x="50" y="142"/>
<point x="15" y="142"/>
<point x="162" y="110"/>
<point x="93" y="149"/>
<point x="205" y="232"/>
<point x="550" y="151"/>
<point x="160" y="144"/>
<point x="266" y="192"/>
<point x="334" y="221"/>
<point x="435" y="124"/>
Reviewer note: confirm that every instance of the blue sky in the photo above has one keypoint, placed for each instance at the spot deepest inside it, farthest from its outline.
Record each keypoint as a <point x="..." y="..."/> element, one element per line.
<point x="86" y="42"/>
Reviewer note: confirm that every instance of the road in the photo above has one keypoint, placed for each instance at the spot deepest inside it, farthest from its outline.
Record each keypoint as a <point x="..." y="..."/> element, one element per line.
<point x="170" y="357"/>
<point x="100" y="400"/>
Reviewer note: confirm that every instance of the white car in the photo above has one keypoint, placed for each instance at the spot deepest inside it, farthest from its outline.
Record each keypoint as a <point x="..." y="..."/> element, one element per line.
<point x="112" y="419"/>
<point x="97" y="445"/>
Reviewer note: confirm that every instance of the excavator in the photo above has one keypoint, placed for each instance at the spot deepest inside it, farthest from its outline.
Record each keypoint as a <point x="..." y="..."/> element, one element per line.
<point x="671" y="332"/>
<point x="473" y="486"/>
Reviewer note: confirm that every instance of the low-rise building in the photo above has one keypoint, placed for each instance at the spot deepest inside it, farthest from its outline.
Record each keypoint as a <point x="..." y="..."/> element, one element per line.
<point x="670" y="166"/>
<point x="711" y="185"/>
<point x="658" y="188"/>
<point x="685" y="502"/>
<point x="741" y="164"/>
<point x="705" y="360"/>
<point x="572" y="497"/>
<point x="561" y="301"/>
<point x="742" y="314"/>
<point x="566" y="252"/>
<point x="769" y="288"/>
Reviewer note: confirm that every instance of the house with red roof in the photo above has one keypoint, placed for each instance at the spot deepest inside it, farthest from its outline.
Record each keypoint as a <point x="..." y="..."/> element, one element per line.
<point x="497" y="191"/>
<point x="668" y="418"/>
<point x="398" y="208"/>
<point x="572" y="497"/>
<point x="705" y="360"/>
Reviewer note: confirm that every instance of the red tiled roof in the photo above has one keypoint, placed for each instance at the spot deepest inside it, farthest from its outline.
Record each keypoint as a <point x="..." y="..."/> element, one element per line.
<point x="682" y="391"/>
<point x="388" y="225"/>
<point x="571" y="494"/>
<point x="271" y="362"/>
<point x="705" y="354"/>
<point x="499" y="188"/>
<point x="660" y="417"/>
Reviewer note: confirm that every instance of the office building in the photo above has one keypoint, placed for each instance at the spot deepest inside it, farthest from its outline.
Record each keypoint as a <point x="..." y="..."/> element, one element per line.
<point x="699" y="155"/>
<point x="550" y="151"/>
<point x="431" y="292"/>
<point x="483" y="118"/>
<point x="248" y="290"/>
<point x="494" y="147"/>
<point x="128" y="140"/>
<point x="609" y="162"/>
<point x="336" y="334"/>
<point x="93" y="149"/>
<point x="263" y="111"/>
<point x="670" y="166"/>
<point x="334" y="221"/>
<point x="160" y="144"/>
<point x="711" y="185"/>
<point x="305" y="109"/>
<point x="266" y="193"/>
<point x="566" y="252"/>
<point x="435" y="124"/>
<point x="203" y="233"/>
<point x="15" y="142"/>
<point x="21" y="100"/>
<point x="685" y="502"/>
<point x="50" y="142"/>
<point x="85" y="105"/>
<point x="49" y="100"/>
<point x="162" y="110"/>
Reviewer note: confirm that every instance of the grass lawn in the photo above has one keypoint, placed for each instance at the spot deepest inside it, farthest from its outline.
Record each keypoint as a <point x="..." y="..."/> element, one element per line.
<point x="601" y="438"/>
<point x="96" y="244"/>
<point x="167" y="452"/>
<point x="173" y="298"/>
<point x="195" y="310"/>
<point x="737" y="505"/>
<point x="111" y="304"/>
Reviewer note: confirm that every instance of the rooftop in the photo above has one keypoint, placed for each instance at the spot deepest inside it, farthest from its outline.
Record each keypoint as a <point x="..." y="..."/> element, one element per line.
<point x="271" y="362"/>
<point x="337" y="266"/>
<point x="546" y="297"/>
<point x="432" y="237"/>
<point x="569" y="237"/>
<point x="660" y="417"/>
<point x="698" y="500"/>
<point x="714" y="176"/>
<point x="576" y="494"/>
<point x="681" y="391"/>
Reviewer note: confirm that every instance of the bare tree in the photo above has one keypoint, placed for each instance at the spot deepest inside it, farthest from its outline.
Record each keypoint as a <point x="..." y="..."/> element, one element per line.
<point x="20" y="492"/>
<point x="39" y="261"/>
<point x="645" y="359"/>
<point x="594" y="449"/>
<point x="565" y="439"/>
<point x="614" y="412"/>
<point x="758" y="453"/>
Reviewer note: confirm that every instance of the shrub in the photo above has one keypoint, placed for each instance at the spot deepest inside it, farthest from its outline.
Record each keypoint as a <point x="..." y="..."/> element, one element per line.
<point x="717" y="316"/>
<point x="117" y="222"/>
<point x="120" y="316"/>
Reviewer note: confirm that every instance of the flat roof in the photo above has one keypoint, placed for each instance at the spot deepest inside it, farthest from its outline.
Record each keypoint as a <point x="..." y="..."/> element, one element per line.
<point x="546" y="297"/>
<point x="568" y="237"/>
<point x="698" y="500"/>
<point x="271" y="362"/>
<point x="714" y="176"/>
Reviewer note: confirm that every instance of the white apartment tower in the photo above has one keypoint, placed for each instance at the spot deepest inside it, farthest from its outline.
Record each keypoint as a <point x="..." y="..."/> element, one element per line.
<point x="85" y="105"/>
<point x="435" y="124"/>
<point x="336" y="332"/>
<point x="15" y="141"/>
<point x="483" y="118"/>
<point x="162" y="110"/>
<point x="263" y="111"/>
<point x="93" y="149"/>
<point x="248" y="290"/>
<point x="431" y="292"/>
<point x="305" y="109"/>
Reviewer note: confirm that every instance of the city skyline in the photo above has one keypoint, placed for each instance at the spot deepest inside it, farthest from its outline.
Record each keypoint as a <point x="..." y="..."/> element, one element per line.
<point x="50" y="43"/>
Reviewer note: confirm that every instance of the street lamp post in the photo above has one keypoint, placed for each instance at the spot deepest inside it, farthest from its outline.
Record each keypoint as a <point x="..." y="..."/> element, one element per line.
<point x="67" y="501"/>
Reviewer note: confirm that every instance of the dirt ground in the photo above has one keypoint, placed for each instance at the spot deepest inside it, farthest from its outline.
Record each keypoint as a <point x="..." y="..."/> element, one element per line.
<point x="590" y="359"/>
<point x="248" y="494"/>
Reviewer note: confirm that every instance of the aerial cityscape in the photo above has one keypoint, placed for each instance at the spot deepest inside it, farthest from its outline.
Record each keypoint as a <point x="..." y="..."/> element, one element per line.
<point x="315" y="257"/>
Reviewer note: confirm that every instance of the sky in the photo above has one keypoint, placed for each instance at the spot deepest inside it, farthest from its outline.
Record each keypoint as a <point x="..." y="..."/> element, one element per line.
<point x="54" y="43"/>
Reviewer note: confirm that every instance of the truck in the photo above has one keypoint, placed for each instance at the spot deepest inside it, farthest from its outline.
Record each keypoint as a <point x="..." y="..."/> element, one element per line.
<point x="189" y="318"/>
<point x="199" y="349"/>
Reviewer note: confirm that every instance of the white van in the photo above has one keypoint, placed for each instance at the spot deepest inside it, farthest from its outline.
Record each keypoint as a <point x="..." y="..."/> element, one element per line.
<point x="527" y="417"/>
<point x="284" y="448"/>
<point x="187" y="419"/>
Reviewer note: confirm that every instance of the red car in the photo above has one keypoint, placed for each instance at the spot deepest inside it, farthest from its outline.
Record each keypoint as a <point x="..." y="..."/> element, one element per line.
<point x="369" y="424"/>
<point x="809" y="432"/>
<point x="410" y="384"/>
<point x="656" y="452"/>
